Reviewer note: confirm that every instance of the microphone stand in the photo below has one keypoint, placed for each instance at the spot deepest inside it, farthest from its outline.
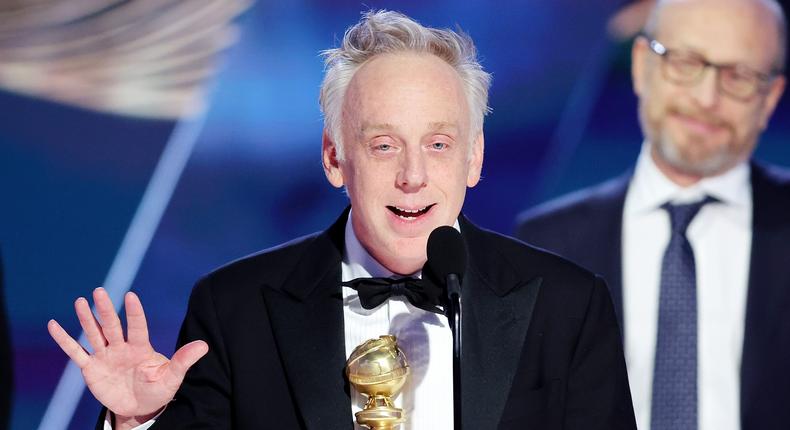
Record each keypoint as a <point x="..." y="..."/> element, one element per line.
<point x="454" y="319"/>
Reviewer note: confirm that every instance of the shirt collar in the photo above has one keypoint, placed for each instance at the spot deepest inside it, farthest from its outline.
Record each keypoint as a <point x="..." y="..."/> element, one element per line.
<point x="360" y="263"/>
<point x="650" y="188"/>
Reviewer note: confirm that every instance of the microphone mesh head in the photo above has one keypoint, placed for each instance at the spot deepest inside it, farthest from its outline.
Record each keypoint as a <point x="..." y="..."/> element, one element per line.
<point x="446" y="253"/>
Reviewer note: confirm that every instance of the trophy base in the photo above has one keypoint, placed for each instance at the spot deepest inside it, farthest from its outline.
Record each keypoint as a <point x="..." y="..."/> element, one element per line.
<point x="380" y="417"/>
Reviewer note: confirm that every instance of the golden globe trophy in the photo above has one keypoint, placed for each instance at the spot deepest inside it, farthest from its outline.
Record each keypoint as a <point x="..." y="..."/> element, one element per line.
<point x="378" y="369"/>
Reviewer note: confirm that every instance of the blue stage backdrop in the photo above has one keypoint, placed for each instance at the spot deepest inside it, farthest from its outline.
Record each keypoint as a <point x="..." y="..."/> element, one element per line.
<point x="76" y="183"/>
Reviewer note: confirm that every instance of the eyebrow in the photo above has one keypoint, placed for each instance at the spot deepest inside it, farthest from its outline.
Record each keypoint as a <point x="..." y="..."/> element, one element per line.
<point x="433" y="126"/>
<point x="376" y="127"/>
<point x="693" y="50"/>
<point x="441" y="126"/>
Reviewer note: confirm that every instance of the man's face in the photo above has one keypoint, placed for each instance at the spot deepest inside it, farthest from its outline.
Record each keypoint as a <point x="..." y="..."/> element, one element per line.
<point x="409" y="155"/>
<point x="696" y="130"/>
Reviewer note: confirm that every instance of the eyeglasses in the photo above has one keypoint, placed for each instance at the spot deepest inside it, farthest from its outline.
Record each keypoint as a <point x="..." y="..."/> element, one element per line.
<point x="686" y="68"/>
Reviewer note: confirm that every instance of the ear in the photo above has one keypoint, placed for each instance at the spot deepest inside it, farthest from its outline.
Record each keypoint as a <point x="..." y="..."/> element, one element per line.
<point x="772" y="98"/>
<point x="639" y="57"/>
<point x="329" y="160"/>
<point x="475" y="161"/>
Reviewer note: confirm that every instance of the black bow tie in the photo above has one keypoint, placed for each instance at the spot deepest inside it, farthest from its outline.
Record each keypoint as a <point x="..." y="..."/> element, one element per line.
<point x="420" y="292"/>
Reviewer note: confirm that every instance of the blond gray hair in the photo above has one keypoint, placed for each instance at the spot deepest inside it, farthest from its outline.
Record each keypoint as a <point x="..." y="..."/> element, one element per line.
<point x="384" y="32"/>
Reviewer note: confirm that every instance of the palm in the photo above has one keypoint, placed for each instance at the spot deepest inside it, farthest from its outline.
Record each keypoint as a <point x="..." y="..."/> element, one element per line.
<point x="128" y="380"/>
<point x="126" y="376"/>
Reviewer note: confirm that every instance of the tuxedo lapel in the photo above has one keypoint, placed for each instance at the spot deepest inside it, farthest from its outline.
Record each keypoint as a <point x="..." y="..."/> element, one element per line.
<point x="497" y="303"/>
<point x="307" y="320"/>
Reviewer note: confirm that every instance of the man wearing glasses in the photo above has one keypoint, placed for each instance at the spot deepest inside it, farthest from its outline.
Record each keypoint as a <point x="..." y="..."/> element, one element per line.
<point x="695" y="241"/>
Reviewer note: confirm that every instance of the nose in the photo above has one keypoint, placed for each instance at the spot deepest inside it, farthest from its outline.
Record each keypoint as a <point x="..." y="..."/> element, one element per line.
<point x="413" y="173"/>
<point x="706" y="93"/>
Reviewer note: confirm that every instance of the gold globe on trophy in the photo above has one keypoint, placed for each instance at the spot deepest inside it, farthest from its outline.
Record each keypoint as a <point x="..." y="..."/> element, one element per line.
<point x="378" y="369"/>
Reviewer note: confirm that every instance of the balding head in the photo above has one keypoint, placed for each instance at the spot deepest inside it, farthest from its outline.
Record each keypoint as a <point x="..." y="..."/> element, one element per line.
<point x="708" y="77"/>
<point x="767" y="12"/>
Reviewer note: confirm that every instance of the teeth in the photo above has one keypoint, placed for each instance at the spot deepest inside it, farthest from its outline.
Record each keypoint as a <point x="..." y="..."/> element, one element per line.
<point x="411" y="211"/>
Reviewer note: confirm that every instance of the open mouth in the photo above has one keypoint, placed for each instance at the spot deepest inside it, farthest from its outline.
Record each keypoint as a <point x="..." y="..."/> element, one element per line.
<point x="410" y="214"/>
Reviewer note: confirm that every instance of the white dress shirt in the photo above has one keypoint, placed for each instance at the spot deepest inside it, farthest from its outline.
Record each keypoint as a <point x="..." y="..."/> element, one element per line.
<point x="424" y="337"/>
<point x="721" y="237"/>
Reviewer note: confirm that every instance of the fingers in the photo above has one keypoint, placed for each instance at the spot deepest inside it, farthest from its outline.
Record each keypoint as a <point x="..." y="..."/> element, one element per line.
<point x="110" y="323"/>
<point x="70" y="346"/>
<point x="110" y="330"/>
<point x="137" y="327"/>
<point x="183" y="359"/>
<point x="89" y="325"/>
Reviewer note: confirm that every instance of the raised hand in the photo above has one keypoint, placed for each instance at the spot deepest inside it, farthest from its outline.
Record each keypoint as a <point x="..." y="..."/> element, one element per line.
<point x="127" y="376"/>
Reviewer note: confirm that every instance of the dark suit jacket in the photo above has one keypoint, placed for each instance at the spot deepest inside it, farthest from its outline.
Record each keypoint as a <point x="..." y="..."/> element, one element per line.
<point x="541" y="342"/>
<point x="586" y="228"/>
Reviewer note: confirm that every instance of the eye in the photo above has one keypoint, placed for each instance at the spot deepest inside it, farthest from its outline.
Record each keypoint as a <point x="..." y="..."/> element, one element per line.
<point x="740" y="76"/>
<point x="383" y="145"/>
<point x="684" y="66"/>
<point x="439" y="142"/>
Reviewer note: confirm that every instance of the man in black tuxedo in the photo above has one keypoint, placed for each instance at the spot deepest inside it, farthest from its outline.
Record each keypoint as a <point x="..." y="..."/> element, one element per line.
<point x="267" y="336"/>
<point x="694" y="243"/>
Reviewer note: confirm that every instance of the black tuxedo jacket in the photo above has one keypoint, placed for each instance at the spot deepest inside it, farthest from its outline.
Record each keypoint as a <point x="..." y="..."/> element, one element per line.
<point x="541" y="342"/>
<point x="586" y="227"/>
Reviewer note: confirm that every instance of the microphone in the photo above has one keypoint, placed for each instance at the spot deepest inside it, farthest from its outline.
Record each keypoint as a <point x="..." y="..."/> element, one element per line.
<point x="447" y="258"/>
<point x="447" y="263"/>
